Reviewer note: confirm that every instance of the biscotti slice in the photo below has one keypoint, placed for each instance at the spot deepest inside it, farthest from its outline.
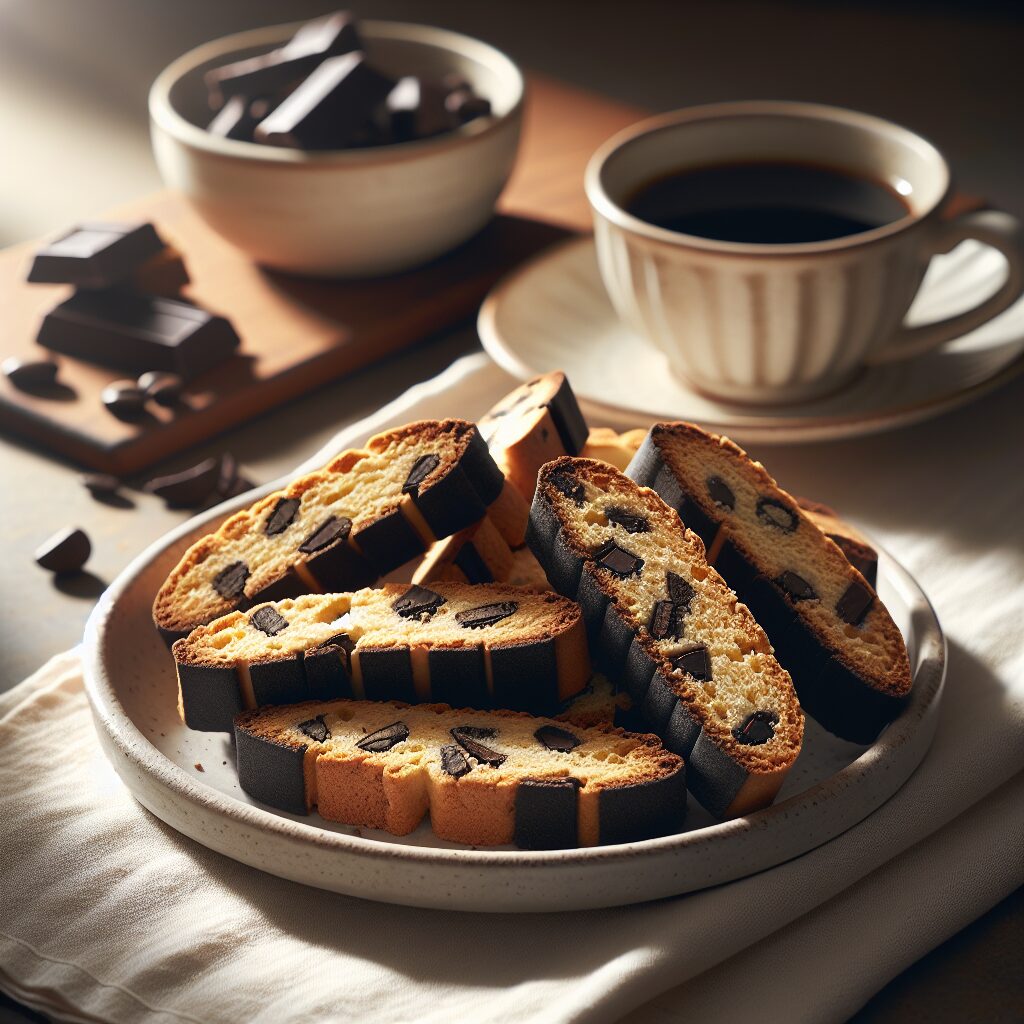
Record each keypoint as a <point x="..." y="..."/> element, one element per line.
<point x="485" y="779"/>
<point x="340" y="528"/>
<point x="538" y="421"/>
<point x="487" y="646"/>
<point x="846" y="655"/>
<point x="666" y="626"/>
<point x="853" y="544"/>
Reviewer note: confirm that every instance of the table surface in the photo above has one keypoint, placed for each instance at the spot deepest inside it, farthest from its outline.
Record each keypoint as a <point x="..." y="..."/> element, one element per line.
<point x="949" y="75"/>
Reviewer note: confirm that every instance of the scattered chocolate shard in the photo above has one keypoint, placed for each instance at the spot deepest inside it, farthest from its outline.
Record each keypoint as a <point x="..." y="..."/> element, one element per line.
<point x="269" y="620"/>
<point x="454" y="762"/>
<point x="663" y="621"/>
<point x="421" y="469"/>
<point x="721" y="493"/>
<point x="384" y="739"/>
<point x="694" y="660"/>
<point x="486" y="614"/>
<point x="416" y="602"/>
<point x="618" y="560"/>
<point x="627" y="520"/>
<point x="30" y="374"/>
<point x="855" y="602"/>
<point x="757" y="729"/>
<point x="796" y="586"/>
<point x="476" y="750"/>
<point x="680" y="592"/>
<point x="189" y="488"/>
<point x="557" y="739"/>
<point x="230" y="581"/>
<point x="330" y="530"/>
<point x="315" y="728"/>
<point x="772" y="512"/>
<point x="95" y="255"/>
<point x="162" y="388"/>
<point x="565" y="483"/>
<point x="125" y="399"/>
<point x="66" y="551"/>
<point x="281" y="517"/>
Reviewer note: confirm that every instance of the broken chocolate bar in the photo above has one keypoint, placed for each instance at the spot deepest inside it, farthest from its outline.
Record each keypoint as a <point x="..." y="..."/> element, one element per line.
<point x="417" y="109"/>
<point x="127" y="331"/>
<point x="95" y="255"/>
<point x="329" y="108"/>
<point x="238" y="118"/>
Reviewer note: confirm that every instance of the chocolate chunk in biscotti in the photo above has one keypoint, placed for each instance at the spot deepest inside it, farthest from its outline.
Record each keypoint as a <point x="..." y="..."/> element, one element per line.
<point x="361" y="644"/>
<point x="482" y="777"/>
<point x="854" y="545"/>
<point x="820" y="614"/>
<point x="665" y="625"/>
<point x="342" y="527"/>
<point x="66" y="551"/>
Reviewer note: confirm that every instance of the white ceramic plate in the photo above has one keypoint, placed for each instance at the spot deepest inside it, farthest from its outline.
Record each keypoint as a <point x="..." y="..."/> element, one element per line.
<point x="554" y="314"/>
<point x="131" y="684"/>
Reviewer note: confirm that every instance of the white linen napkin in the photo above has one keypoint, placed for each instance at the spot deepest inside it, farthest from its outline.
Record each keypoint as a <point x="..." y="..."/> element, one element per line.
<point x="108" y="914"/>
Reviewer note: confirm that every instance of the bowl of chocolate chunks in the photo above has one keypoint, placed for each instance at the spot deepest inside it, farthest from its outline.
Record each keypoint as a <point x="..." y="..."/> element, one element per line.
<point x="338" y="148"/>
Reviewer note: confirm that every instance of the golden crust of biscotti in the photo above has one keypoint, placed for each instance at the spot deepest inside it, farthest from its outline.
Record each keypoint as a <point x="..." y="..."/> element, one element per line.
<point x="338" y="526"/>
<point x="485" y="778"/>
<point x="843" y="611"/>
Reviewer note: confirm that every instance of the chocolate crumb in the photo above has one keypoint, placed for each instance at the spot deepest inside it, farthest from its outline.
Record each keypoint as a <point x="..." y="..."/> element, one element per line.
<point x="618" y="560"/>
<point x="230" y="581"/>
<point x="421" y="469"/>
<point x="281" y="517"/>
<point x="454" y="762"/>
<point x="268" y="620"/>
<point x="198" y="767"/>
<point x="721" y="493"/>
<point x="326" y="533"/>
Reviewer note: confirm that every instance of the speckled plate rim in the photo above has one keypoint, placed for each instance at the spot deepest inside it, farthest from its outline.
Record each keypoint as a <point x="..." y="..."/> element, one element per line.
<point x="759" y="424"/>
<point x="483" y="880"/>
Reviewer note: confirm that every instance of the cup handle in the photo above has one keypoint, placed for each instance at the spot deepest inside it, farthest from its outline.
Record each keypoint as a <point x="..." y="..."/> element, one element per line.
<point x="1002" y="231"/>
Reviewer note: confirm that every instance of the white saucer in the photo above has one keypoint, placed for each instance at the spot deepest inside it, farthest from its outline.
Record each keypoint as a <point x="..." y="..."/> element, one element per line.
<point x="553" y="314"/>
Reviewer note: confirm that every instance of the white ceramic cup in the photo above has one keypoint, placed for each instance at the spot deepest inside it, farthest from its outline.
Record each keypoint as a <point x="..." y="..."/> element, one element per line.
<point x="771" y="323"/>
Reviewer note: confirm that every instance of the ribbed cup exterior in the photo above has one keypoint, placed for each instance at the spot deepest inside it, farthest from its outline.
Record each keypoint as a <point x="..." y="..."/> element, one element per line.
<point x="760" y="328"/>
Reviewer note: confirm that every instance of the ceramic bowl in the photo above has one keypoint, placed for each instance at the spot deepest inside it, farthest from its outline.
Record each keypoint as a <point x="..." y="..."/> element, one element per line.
<point x="343" y="213"/>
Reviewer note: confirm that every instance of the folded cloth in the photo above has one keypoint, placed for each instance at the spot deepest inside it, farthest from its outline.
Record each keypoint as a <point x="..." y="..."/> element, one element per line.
<point x="108" y="914"/>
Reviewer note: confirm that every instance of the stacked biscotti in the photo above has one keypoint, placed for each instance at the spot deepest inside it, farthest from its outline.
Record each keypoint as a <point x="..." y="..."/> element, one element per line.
<point x="838" y="641"/>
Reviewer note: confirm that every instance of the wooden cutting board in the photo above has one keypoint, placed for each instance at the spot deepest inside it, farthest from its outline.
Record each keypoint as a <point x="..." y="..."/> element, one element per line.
<point x="298" y="334"/>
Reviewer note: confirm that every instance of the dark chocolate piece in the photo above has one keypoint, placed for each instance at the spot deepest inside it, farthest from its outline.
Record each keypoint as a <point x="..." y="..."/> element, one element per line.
<point x="664" y="621"/>
<point x="796" y="586"/>
<point x="315" y="729"/>
<point x="417" y="602"/>
<point x="416" y="109"/>
<point x="326" y="668"/>
<point x="271" y="772"/>
<point x="680" y="592"/>
<point x="30" y="374"/>
<point x="454" y="762"/>
<point x="618" y="560"/>
<point x="326" y="533"/>
<point x="95" y="255"/>
<point x="855" y="602"/>
<point x="329" y="107"/>
<point x="757" y="729"/>
<point x="421" y="469"/>
<point x="281" y="516"/>
<point x="126" y="330"/>
<point x="101" y="485"/>
<point x="277" y="71"/>
<point x="482" y="753"/>
<point x="124" y="399"/>
<point x="545" y="814"/>
<point x="695" y="660"/>
<point x="340" y="642"/>
<point x="269" y="620"/>
<point x="627" y="520"/>
<point x="486" y="614"/>
<point x="238" y="118"/>
<point x="384" y="739"/>
<point x="721" y="493"/>
<point x="466" y="105"/>
<point x="189" y="488"/>
<point x="772" y="512"/>
<point x="477" y="732"/>
<point x="230" y="581"/>
<point x="567" y="484"/>
<point x="557" y="739"/>
<point x="162" y="388"/>
<point x="66" y="551"/>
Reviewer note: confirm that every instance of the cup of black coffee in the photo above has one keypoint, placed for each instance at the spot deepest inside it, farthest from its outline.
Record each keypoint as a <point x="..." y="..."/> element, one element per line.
<point x="773" y="249"/>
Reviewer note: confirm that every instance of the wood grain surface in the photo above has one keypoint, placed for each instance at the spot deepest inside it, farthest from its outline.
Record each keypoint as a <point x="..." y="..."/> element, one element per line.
<point x="298" y="334"/>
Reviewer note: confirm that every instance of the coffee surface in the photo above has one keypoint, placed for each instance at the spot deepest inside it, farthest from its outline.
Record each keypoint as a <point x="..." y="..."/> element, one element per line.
<point x="766" y="202"/>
